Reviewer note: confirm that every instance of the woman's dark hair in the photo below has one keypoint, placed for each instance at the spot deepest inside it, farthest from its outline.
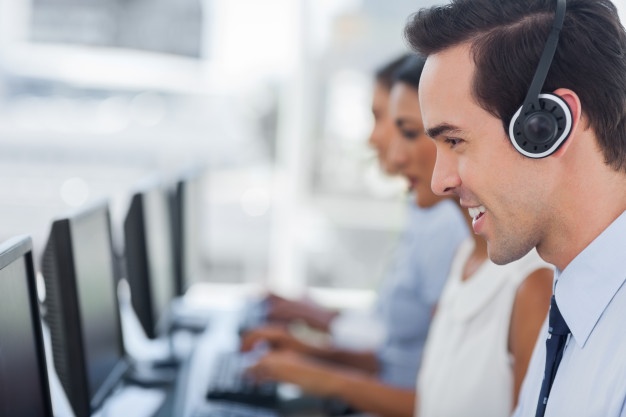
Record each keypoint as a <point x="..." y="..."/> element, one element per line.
<point x="410" y="71"/>
<point x="507" y="38"/>
<point x="384" y="74"/>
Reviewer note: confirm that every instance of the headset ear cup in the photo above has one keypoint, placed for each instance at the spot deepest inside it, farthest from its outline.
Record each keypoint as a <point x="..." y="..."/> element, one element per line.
<point x="555" y="120"/>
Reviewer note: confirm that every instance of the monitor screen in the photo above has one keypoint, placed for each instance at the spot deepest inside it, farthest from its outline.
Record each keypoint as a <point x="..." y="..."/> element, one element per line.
<point x="81" y="307"/>
<point x="24" y="388"/>
<point x="150" y="264"/>
<point x="191" y="215"/>
<point x="159" y="250"/>
<point x="97" y="301"/>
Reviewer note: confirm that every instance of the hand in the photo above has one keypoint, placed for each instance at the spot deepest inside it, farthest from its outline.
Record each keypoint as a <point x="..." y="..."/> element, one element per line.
<point x="276" y="337"/>
<point x="285" y="366"/>
<point x="283" y="310"/>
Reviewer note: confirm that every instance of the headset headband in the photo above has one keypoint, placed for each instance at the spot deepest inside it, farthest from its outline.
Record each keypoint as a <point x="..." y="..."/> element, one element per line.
<point x="532" y="97"/>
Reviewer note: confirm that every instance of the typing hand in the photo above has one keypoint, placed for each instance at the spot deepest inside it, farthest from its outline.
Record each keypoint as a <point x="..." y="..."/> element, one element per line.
<point x="250" y="357"/>
<point x="283" y="310"/>
<point x="284" y="366"/>
<point x="275" y="338"/>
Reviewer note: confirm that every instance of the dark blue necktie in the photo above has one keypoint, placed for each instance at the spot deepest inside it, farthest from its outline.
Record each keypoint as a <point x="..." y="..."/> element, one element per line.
<point x="555" y="344"/>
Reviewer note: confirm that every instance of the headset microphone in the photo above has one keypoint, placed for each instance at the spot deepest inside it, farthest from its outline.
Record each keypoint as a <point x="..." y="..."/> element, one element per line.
<point x="544" y="121"/>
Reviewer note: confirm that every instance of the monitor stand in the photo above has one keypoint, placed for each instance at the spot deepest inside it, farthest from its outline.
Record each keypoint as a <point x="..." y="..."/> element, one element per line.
<point x="147" y="375"/>
<point x="171" y="360"/>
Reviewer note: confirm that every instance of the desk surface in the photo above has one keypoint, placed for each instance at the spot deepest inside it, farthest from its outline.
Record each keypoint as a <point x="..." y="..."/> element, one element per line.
<point x="186" y="398"/>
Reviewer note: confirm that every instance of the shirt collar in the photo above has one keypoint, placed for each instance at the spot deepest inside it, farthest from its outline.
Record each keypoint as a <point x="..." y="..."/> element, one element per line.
<point x="587" y="285"/>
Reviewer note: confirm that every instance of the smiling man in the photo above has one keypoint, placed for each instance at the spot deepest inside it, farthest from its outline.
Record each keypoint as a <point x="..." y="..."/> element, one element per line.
<point x="526" y="102"/>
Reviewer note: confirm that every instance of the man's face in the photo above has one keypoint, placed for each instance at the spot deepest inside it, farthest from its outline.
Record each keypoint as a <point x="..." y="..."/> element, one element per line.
<point x="504" y="192"/>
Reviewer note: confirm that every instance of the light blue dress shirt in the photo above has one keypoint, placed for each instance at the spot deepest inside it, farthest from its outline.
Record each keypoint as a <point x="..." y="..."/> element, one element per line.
<point x="413" y="285"/>
<point x="591" y="295"/>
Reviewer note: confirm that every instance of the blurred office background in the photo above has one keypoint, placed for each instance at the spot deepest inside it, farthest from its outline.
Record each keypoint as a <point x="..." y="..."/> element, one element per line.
<point x="271" y="96"/>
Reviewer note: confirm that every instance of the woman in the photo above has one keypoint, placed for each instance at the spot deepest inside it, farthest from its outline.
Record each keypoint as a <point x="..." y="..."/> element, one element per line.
<point x="411" y="288"/>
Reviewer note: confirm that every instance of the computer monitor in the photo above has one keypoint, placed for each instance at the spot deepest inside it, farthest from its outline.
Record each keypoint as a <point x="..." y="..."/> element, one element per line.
<point x="149" y="257"/>
<point x="24" y="389"/>
<point x="82" y="307"/>
<point x="187" y="215"/>
<point x="175" y="205"/>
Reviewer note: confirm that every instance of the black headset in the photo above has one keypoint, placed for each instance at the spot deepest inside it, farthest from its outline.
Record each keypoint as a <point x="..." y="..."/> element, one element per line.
<point x="544" y="121"/>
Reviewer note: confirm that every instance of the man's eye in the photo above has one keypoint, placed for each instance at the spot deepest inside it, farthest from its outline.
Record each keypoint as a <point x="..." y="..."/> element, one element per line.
<point x="453" y="141"/>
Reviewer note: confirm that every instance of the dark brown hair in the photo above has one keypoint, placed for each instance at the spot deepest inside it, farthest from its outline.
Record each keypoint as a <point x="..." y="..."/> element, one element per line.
<point x="385" y="74"/>
<point x="410" y="71"/>
<point x="507" y="38"/>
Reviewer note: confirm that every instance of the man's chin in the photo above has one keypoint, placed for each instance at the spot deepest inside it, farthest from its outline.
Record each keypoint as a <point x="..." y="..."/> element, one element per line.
<point x="500" y="255"/>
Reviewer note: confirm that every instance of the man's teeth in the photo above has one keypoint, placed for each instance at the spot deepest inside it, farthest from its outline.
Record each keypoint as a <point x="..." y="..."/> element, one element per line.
<point x="476" y="211"/>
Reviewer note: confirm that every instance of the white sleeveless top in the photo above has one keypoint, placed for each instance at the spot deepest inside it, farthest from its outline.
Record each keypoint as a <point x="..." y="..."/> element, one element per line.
<point x="466" y="368"/>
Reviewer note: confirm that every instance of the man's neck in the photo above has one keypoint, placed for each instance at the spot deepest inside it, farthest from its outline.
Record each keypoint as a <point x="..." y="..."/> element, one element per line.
<point x="592" y="203"/>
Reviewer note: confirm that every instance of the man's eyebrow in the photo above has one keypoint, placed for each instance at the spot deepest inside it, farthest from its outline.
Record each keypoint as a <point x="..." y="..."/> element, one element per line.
<point x="440" y="129"/>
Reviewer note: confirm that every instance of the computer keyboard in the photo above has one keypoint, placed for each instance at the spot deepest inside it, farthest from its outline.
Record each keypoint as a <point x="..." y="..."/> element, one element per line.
<point x="232" y="410"/>
<point x="253" y="315"/>
<point x="229" y="383"/>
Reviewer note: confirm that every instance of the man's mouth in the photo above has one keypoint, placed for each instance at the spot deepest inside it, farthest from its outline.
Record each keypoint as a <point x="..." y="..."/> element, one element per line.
<point x="476" y="212"/>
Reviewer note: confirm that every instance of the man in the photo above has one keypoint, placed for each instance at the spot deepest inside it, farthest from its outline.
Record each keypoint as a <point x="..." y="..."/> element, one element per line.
<point x="485" y="59"/>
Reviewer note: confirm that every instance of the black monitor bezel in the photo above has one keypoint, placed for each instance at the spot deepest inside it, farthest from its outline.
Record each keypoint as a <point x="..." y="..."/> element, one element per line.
<point x="184" y="278"/>
<point x="61" y="235"/>
<point x="138" y="273"/>
<point x="11" y="251"/>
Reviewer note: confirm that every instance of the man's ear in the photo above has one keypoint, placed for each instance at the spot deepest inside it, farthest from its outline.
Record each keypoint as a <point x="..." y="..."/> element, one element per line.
<point x="573" y="102"/>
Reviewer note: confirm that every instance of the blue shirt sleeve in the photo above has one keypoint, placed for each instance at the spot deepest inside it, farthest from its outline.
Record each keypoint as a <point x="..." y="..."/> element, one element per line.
<point x="413" y="286"/>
